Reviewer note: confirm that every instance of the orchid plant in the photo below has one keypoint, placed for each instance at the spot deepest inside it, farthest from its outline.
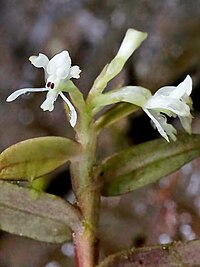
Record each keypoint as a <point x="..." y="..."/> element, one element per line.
<point x="51" y="219"/>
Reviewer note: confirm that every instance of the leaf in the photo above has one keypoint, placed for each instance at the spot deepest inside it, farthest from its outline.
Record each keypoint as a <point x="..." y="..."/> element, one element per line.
<point x="35" y="157"/>
<point x="177" y="254"/>
<point x="36" y="215"/>
<point x="114" y="114"/>
<point x="143" y="164"/>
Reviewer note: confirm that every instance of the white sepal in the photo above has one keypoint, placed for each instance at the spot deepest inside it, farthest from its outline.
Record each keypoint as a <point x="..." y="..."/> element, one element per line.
<point x="23" y="91"/>
<point x="40" y="61"/>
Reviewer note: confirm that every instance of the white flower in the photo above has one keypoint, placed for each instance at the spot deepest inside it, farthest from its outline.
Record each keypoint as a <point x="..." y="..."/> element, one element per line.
<point x="172" y="101"/>
<point x="169" y="100"/>
<point x="58" y="70"/>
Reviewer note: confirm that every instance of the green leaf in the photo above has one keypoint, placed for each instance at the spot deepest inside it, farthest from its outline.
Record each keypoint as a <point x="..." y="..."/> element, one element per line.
<point x="143" y="164"/>
<point x="114" y="114"/>
<point x="177" y="254"/>
<point x="35" y="157"/>
<point x="36" y="215"/>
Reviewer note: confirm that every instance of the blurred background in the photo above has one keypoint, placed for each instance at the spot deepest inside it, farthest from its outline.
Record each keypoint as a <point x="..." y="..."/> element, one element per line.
<point x="92" y="32"/>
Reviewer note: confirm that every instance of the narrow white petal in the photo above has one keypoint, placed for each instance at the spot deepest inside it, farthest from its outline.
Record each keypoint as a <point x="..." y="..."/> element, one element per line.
<point x="164" y="128"/>
<point x="157" y="124"/>
<point x="19" y="92"/>
<point x="73" y="115"/>
<point x="74" y="72"/>
<point x="40" y="61"/>
<point x="59" y="65"/>
<point x="183" y="88"/>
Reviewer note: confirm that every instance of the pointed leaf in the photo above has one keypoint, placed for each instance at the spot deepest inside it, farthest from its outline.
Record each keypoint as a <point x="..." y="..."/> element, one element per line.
<point x="143" y="164"/>
<point x="36" y="215"/>
<point x="178" y="254"/>
<point x="35" y="157"/>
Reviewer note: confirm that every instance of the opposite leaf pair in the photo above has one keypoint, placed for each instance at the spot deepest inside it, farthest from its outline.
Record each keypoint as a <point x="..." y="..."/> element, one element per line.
<point x="169" y="100"/>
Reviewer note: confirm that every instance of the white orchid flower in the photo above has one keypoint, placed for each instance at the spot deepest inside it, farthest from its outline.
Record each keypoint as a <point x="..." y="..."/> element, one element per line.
<point x="169" y="100"/>
<point x="58" y="70"/>
<point x="172" y="101"/>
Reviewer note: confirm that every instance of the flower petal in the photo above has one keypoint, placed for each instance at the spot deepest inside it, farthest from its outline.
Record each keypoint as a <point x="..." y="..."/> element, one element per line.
<point x="19" y="92"/>
<point x="167" y="105"/>
<point x="73" y="114"/>
<point x="183" y="88"/>
<point x="59" y="65"/>
<point x="164" y="128"/>
<point x="74" y="72"/>
<point x="40" y="61"/>
<point x="48" y="104"/>
<point x="164" y="91"/>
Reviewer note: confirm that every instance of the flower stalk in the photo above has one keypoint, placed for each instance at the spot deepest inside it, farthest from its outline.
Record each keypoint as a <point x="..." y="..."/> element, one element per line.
<point x="87" y="190"/>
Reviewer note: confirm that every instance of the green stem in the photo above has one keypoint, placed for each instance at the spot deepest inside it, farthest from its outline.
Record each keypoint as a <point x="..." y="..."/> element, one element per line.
<point x="87" y="191"/>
